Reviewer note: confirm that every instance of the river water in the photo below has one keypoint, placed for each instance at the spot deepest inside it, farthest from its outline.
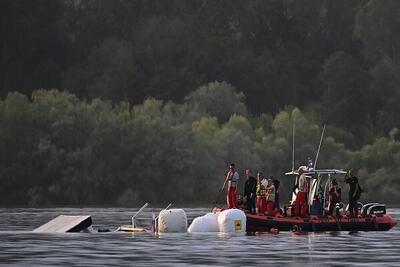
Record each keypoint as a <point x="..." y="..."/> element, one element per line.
<point x="20" y="247"/>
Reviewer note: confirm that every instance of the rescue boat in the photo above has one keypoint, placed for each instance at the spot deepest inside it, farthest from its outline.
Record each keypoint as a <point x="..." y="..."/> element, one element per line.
<point x="372" y="216"/>
<point x="264" y="223"/>
<point x="256" y="222"/>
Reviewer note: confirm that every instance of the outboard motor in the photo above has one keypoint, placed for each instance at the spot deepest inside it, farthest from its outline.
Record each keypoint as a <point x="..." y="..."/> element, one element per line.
<point x="378" y="209"/>
<point x="364" y="209"/>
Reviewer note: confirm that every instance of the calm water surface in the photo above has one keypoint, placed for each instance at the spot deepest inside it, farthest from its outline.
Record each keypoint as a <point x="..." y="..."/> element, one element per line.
<point x="20" y="247"/>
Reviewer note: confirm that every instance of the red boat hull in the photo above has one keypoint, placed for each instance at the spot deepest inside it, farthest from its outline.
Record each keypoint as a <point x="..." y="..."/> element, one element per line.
<point x="264" y="223"/>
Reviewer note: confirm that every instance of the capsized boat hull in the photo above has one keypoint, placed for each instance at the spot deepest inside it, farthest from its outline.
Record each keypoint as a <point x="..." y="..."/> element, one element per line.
<point x="264" y="223"/>
<point x="131" y="229"/>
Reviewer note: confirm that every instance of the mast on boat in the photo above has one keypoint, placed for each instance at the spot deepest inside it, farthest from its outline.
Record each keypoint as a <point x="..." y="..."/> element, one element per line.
<point x="294" y="126"/>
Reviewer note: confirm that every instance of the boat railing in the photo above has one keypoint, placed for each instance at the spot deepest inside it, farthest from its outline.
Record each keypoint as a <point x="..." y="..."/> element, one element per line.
<point x="137" y="213"/>
<point x="167" y="207"/>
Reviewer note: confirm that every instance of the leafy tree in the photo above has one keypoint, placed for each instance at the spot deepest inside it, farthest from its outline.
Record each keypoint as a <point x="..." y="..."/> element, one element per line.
<point x="346" y="86"/>
<point x="154" y="99"/>
<point x="217" y="99"/>
<point x="377" y="25"/>
<point x="106" y="73"/>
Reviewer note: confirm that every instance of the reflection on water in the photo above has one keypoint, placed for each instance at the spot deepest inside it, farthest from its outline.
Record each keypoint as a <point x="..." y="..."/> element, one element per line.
<point x="19" y="246"/>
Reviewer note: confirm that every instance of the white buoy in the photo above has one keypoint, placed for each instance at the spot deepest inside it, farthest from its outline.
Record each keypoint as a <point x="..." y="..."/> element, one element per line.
<point x="232" y="221"/>
<point x="172" y="221"/>
<point x="205" y="224"/>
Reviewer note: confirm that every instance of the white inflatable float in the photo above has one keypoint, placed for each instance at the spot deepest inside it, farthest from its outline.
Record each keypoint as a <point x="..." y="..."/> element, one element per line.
<point x="205" y="224"/>
<point x="232" y="221"/>
<point x="172" y="221"/>
<point x="227" y="221"/>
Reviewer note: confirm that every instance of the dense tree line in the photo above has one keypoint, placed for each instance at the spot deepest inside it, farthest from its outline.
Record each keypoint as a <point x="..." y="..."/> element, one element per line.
<point x="57" y="149"/>
<point x="155" y="97"/>
<point x="327" y="56"/>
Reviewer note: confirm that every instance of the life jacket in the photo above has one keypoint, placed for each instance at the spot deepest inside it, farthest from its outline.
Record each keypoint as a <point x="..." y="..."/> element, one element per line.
<point x="270" y="193"/>
<point x="335" y="196"/>
<point x="260" y="191"/>
<point x="231" y="181"/>
<point x="303" y="184"/>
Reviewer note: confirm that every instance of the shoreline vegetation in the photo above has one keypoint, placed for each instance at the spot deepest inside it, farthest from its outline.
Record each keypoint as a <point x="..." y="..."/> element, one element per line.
<point x="120" y="102"/>
<point x="57" y="149"/>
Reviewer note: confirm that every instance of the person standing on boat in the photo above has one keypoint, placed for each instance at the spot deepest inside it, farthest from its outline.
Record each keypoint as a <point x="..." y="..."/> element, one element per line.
<point x="260" y="192"/>
<point x="250" y="191"/>
<point x="354" y="191"/>
<point x="277" y="185"/>
<point x="335" y="197"/>
<point x="300" y="204"/>
<point x="270" y="196"/>
<point x="232" y="178"/>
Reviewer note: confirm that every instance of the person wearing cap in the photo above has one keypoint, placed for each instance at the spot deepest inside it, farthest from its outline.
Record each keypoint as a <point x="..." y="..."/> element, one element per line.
<point x="231" y="179"/>
<point x="270" y="196"/>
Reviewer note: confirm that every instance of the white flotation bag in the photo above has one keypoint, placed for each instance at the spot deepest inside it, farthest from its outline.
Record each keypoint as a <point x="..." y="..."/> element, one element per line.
<point x="172" y="221"/>
<point x="232" y="221"/>
<point x="205" y="224"/>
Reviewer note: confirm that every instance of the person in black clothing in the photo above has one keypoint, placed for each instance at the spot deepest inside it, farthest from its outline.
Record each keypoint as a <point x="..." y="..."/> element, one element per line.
<point x="354" y="191"/>
<point x="250" y="191"/>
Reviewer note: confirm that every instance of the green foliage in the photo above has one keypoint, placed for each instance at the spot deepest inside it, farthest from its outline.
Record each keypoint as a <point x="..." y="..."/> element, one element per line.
<point x="379" y="163"/>
<point x="217" y="99"/>
<point x="324" y="57"/>
<point x="57" y="149"/>
<point x="346" y="85"/>
<point x="377" y="24"/>
<point x="106" y="72"/>
<point x="154" y="99"/>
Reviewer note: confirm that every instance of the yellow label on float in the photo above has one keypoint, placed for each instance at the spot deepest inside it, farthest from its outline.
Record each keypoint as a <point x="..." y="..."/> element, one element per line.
<point x="238" y="225"/>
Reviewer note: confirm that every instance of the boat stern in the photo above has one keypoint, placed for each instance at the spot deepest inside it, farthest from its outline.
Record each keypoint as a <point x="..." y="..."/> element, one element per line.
<point x="385" y="222"/>
<point x="393" y="222"/>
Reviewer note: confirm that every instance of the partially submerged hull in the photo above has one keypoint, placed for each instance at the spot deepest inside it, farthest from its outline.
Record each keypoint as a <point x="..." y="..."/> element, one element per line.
<point x="131" y="229"/>
<point x="264" y="223"/>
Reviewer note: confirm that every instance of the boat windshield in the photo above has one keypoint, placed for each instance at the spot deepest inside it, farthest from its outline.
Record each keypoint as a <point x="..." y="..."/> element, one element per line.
<point x="316" y="177"/>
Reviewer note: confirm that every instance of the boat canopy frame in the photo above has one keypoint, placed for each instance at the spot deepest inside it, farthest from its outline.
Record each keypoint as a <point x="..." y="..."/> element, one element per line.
<point x="316" y="177"/>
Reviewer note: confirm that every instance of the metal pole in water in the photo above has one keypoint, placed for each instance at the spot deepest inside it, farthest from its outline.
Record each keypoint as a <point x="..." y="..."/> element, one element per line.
<point x="137" y="213"/>
<point x="167" y="207"/>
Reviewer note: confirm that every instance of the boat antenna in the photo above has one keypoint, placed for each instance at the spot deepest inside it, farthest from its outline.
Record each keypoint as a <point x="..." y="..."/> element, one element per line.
<point x="294" y="126"/>
<point x="319" y="147"/>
